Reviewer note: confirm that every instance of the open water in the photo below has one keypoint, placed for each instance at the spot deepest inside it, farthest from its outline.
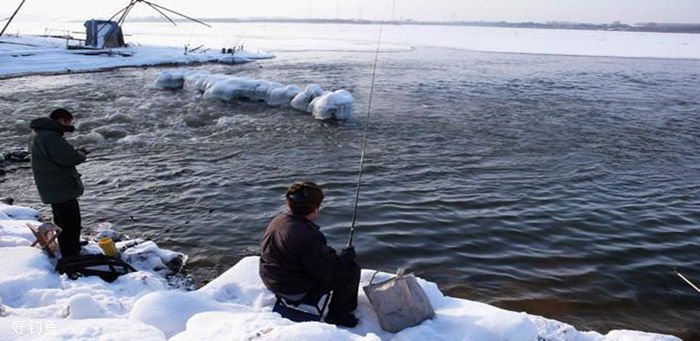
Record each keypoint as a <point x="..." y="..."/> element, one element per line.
<point x="561" y="186"/>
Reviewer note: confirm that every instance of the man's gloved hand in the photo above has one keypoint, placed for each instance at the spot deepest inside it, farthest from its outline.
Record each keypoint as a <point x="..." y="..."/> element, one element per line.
<point x="84" y="150"/>
<point x="348" y="254"/>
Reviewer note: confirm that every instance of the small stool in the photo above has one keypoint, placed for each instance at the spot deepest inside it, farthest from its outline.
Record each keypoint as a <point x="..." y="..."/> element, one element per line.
<point x="46" y="235"/>
<point x="291" y="310"/>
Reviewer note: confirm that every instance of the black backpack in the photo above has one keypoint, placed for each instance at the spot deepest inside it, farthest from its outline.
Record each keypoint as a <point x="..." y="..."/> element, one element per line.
<point x="107" y="268"/>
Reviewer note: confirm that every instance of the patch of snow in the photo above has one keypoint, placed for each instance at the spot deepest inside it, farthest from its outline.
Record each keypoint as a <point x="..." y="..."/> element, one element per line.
<point x="83" y="306"/>
<point x="169" y="310"/>
<point x="17" y="213"/>
<point x="26" y="55"/>
<point x="251" y="325"/>
<point x="56" y="329"/>
<point x="236" y="305"/>
<point x="25" y="270"/>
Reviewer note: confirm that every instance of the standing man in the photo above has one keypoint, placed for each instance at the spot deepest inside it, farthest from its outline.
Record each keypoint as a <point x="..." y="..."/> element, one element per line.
<point x="58" y="182"/>
<point x="297" y="264"/>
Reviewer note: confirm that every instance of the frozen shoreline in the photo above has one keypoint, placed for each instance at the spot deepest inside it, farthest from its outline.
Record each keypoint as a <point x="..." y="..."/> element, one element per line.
<point x="34" y="55"/>
<point x="39" y="302"/>
<point x="31" y="55"/>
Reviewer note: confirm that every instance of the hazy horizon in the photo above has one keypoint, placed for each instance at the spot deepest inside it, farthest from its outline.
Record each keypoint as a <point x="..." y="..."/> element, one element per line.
<point x="157" y="17"/>
<point x="593" y="11"/>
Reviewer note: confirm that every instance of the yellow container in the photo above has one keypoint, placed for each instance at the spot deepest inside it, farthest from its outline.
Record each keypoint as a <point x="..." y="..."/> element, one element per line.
<point x="108" y="247"/>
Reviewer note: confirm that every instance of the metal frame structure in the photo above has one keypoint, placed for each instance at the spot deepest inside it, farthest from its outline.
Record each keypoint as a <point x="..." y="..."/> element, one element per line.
<point x="124" y="12"/>
<point x="11" y="17"/>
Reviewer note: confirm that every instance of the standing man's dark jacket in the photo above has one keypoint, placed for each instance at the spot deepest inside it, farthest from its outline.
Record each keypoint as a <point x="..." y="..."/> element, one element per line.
<point x="295" y="257"/>
<point x="53" y="163"/>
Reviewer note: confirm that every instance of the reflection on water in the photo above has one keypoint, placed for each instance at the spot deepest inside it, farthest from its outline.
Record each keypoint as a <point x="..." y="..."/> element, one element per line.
<point x="561" y="186"/>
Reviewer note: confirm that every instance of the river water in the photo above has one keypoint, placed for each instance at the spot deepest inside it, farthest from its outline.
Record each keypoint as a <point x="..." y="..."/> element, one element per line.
<point x="560" y="186"/>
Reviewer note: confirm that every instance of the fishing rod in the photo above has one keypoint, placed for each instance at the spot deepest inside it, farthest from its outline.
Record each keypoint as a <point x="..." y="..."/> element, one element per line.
<point x="686" y="280"/>
<point x="364" y="139"/>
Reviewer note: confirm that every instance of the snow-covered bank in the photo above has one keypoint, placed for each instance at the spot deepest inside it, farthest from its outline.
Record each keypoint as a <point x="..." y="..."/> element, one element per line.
<point x="396" y="38"/>
<point x="38" y="303"/>
<point x="32" y="55"/>
<point x="25" y="55"/>
<point x="555" y="42"/>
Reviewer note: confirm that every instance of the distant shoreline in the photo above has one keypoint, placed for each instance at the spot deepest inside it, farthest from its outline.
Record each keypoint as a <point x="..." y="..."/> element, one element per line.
<point x="615" y="26"/>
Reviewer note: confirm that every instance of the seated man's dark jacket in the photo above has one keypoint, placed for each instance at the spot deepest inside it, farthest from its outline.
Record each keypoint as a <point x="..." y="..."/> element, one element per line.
<point x="295" y="257"/>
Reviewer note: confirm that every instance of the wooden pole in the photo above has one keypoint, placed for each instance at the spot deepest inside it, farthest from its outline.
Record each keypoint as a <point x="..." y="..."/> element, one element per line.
<point x="12" y="17"/>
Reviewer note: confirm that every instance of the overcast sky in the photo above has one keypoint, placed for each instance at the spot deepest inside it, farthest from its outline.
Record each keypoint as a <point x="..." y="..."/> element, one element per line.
<point x="594" y="11"/>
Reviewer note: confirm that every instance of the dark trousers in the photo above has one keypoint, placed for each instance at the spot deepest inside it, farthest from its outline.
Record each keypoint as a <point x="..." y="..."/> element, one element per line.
<point x="67" y="216"/>
<point x="344" y="285"/>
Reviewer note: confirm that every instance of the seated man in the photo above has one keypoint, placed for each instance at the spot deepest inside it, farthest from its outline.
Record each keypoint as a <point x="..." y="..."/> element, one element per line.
<point x="297" y="264"/>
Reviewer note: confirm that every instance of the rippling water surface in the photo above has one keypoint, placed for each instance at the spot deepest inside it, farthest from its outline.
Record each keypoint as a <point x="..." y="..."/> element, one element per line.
<point x="561" y="186"/>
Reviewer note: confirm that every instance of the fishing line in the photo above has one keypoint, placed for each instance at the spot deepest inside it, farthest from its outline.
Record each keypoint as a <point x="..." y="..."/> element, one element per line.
<point x="51" y="21"/>
<point x="364" y="139"/>
<point x="237" y="38"/>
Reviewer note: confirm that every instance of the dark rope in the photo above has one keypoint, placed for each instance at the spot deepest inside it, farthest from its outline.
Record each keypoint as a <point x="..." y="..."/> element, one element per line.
<point x="126" y="10"/>
<point x="176" y="13"/>
<point x="161" y="12"/>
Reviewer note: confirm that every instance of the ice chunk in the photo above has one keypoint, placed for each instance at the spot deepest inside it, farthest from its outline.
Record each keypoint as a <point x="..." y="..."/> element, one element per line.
<point x="218" y="90"/>
<point x="282" y="95"/>
<point x="91" y="138"/>
<point x="148" y="256"/>
<point x="171" y="80"/>
<point x="238" y="88"/>
<point x="202" y="81"/>
<point x="230" y="88"/>
<point x="268" y="87"/>
<point x="301" y="100"/>
<point x="337" y="105"/>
